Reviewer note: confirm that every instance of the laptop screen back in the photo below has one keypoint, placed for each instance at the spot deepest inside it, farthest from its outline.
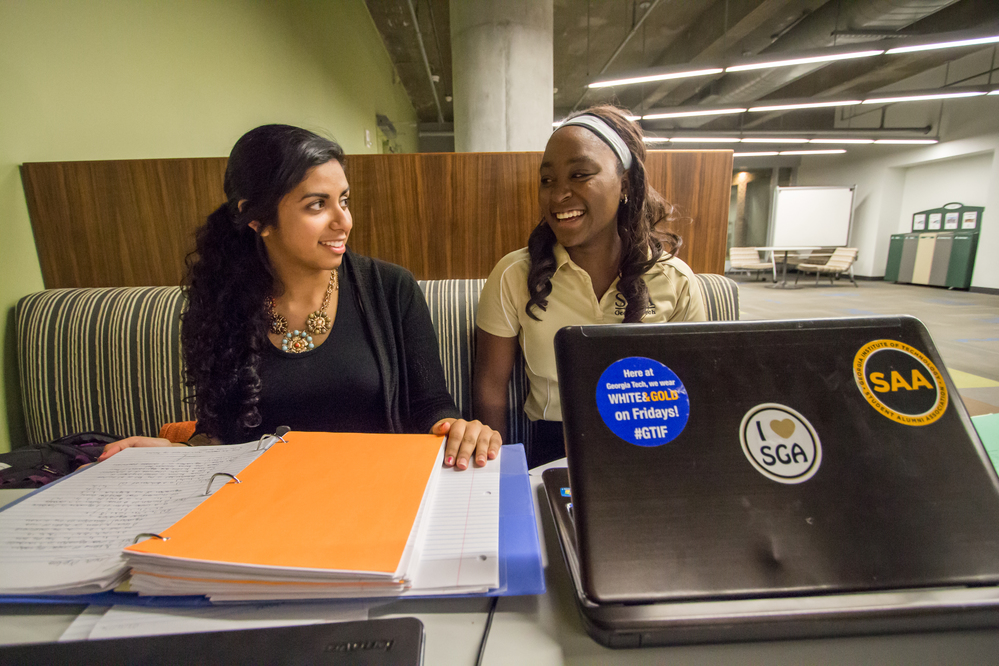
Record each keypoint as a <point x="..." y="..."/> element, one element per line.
<point x="743" y="459"/>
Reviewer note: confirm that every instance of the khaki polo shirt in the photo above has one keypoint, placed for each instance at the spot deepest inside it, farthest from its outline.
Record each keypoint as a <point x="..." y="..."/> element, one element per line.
<point x="673" y="296"/>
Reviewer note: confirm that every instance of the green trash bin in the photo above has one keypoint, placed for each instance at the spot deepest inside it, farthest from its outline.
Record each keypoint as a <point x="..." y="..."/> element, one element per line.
<point x="962" y="260"/>
<point x="894" y="257"/>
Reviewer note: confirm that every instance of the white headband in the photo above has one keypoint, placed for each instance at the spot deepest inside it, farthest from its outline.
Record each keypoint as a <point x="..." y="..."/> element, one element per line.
<point x="599" y="127"/>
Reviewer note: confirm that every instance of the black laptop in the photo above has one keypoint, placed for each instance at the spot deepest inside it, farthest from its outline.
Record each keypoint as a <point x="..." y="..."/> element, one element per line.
<point x="741" y="480"/>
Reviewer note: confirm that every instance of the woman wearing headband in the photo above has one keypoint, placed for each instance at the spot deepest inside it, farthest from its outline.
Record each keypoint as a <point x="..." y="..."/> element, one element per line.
<point x="598" y="256"/>
<point x="286" y="326"/>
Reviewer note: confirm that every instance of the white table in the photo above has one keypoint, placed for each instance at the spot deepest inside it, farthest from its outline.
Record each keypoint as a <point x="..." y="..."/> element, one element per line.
<point x="786" y="249"/>
<point x="546" y="630"/>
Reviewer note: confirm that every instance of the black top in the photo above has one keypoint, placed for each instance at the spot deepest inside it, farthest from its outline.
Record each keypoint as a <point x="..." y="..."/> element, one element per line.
<point x="388" y="322"/>
<point x="332" y="388"/>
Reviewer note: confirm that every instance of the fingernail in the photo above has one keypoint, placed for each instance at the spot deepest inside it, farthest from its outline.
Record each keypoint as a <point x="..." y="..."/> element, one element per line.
<point x="462" y="464"/>
<point x="492" y="455"/>
<point x="449" y="461"/>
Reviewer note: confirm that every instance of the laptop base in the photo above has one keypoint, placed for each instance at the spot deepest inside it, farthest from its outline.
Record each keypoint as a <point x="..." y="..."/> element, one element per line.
<point x="765" y="618"/>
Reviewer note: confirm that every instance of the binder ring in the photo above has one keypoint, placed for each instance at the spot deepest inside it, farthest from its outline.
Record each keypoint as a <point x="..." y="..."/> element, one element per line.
<point x="279" y="434"/>
<point x="211" y="480"/>
<point x="151" y="535"/>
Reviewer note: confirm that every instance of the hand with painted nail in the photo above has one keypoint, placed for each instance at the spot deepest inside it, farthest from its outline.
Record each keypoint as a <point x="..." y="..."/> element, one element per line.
<point x="467" y="440"/>
<point x="121" y="445"/>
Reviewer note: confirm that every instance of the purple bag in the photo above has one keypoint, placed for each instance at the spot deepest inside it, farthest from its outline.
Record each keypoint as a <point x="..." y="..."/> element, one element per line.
<point x="34" y="466"/>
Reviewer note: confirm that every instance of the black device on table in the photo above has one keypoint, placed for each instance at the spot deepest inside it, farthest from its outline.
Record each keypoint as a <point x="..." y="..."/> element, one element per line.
<point x="389" y="642"/>
<point x="758" y="480"/>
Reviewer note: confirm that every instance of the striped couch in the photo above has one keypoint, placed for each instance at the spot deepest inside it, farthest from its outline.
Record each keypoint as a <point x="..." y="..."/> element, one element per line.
<point x="109" y="359"/>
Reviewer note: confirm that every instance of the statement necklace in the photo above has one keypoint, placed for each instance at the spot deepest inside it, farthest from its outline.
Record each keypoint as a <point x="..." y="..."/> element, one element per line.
<point x="318" y="323"/>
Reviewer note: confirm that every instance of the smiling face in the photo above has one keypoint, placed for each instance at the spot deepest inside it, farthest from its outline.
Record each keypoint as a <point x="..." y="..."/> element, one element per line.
<point x="581" y="189"/>
<point x="313" y="223"/>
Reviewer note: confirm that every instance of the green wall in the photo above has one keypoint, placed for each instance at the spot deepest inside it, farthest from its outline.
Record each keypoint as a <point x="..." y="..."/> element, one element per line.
<point x="129" y="79"/>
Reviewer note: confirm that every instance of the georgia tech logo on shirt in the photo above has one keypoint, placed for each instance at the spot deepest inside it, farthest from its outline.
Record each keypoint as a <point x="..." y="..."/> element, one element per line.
<point x="900" y="382"/>
<point x="620" y="303"/>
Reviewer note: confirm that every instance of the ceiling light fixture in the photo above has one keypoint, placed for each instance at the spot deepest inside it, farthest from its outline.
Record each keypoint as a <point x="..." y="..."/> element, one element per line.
<point x="829" y="57"/>
<point x="841" y="141"/>
<point x="690" y="114"/>
<point x="774" y="140"/>
<point x="662" y="76"/>
<point x="907" y="142"/>
<point x="704" y="139"/>
<point x="944" y="45"/>
<point x="803" y="105"/>
<point x="813" y="152"/>
<point x="922" y="98"/>
<point x="768" y="153"/>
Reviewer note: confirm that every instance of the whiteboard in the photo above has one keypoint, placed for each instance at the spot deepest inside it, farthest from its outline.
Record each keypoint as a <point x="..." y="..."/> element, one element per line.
<point x="811" y="216"/>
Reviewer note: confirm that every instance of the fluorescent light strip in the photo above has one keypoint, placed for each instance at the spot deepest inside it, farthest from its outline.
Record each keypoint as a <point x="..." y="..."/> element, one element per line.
<point x="703" y="139"/>
<point x="803" y="61"/>
<point x="769" y="153"/>
<point x="813" y="152"/>
<point x="920" y="98"/>
<point x="655" y="139"/>
<point x="656" y="77"/>
<point x="774" y="140"/>
<point x="994" y="92"/>
<point x="690" y="114"/>
<point x="944" y="45"/>
<point x="841" y="141"/>
<point x="907" y="142"/>
<point x="804" y="105"/>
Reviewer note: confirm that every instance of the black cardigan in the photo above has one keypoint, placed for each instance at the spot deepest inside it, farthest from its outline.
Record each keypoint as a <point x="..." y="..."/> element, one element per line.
<point x="396" y="317"/>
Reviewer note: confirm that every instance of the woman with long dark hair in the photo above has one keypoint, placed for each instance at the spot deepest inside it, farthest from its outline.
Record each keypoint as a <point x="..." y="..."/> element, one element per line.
<point x="601" y="254"/>
<point x="285" y="326"/>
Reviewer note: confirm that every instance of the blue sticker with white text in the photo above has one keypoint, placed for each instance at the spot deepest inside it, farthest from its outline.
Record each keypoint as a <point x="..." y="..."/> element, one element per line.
<point x="642" y="401"/>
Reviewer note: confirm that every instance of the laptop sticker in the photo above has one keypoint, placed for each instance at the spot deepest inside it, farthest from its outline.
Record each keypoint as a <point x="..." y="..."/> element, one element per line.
<point x="642" y="401"/>
<point x="780" y="443"/>
<point x="900" y="382"/>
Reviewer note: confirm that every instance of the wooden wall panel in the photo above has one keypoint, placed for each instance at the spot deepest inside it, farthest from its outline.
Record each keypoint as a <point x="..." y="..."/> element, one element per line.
<point x="455" y="214"/>
<point x="447" y="215"/>
<point x="443" y="215"/>
<point x="119" y="223"/>
<point x="699" y="184"/>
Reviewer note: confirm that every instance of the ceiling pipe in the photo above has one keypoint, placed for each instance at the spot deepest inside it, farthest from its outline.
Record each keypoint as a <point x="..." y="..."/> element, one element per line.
<point x="426" y="62"/>
<point x="620" y="48"/>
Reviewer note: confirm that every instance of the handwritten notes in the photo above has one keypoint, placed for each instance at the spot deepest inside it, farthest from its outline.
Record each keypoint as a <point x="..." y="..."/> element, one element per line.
<point x="68" y="538"/>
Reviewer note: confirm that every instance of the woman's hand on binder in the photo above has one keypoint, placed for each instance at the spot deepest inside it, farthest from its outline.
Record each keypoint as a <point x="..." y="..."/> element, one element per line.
<point x="121" y="445"/>
<point x="467" y="439"/>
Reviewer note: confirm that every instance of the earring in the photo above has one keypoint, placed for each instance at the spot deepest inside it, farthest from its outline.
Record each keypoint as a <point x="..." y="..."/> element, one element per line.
<point x="625" y="199"/>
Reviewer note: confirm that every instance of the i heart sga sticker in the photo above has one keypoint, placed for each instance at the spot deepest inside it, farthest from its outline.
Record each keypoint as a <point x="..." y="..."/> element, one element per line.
<point x="780" y="443"/>
<point x="642" y="401"/>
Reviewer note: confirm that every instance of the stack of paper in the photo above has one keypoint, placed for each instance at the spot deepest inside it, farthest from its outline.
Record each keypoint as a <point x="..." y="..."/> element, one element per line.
<point x="334" y="514"/>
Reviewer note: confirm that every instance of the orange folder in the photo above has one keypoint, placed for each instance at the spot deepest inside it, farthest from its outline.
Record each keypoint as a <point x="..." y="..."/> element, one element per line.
<point x="339" y="501"/>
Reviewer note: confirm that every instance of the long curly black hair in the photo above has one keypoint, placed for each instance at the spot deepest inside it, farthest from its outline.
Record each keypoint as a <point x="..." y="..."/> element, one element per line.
<point x="229" y="280"/>
<point x="641" y="225"/>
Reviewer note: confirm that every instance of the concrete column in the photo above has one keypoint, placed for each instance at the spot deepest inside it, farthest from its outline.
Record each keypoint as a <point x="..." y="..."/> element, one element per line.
<point x="501" y="59"/>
